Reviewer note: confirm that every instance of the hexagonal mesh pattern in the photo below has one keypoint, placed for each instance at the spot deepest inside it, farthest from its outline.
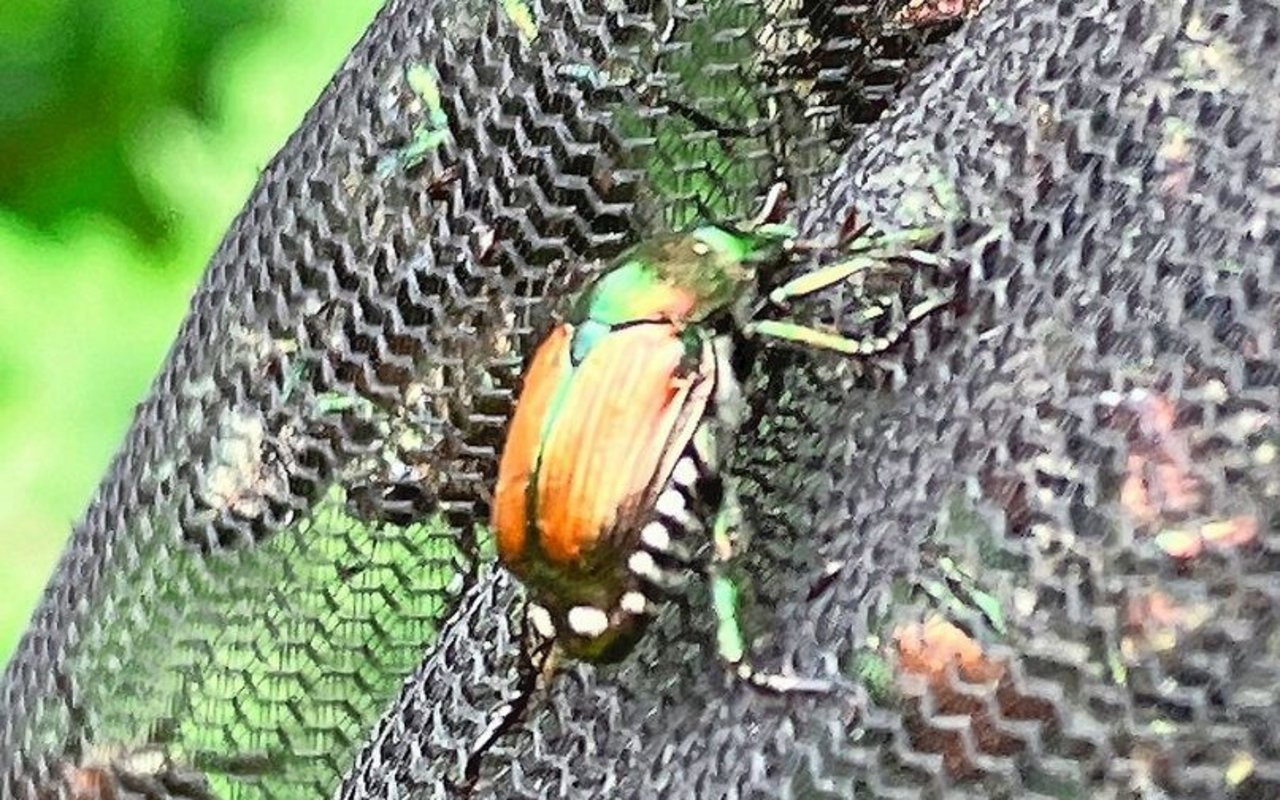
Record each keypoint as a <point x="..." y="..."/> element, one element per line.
<point x="1032" y="543"/>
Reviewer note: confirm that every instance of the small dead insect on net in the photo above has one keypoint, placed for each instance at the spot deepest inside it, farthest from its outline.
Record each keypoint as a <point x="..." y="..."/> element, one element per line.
<point x="1035" y="538"/>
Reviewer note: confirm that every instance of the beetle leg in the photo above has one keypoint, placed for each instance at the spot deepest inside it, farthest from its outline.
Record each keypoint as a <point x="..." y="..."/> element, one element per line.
<point x="801" y="334"/>
<point x="732" y="647"/>
<point x="881" y="252"/>
<point x="731" y="643"/>
<point x="820" y="279"/>
<point x="539" y="652"/>
<point x="875" y="307"/>
<point x="539" y="656"/>
<point x="933" y="300"/>
<point x="959" y="592"/>
<point x="827" y="340"/>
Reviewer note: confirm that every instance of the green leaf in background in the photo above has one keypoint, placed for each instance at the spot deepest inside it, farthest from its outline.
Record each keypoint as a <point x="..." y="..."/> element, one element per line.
<point x="131" y="132"/>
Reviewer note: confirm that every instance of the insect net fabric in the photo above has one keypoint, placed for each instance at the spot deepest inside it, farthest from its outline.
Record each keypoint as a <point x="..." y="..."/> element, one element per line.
<point x="1034" y="542"/>
<point x="291" y="516"/>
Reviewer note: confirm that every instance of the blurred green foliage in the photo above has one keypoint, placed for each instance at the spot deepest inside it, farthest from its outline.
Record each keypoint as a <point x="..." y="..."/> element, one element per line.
<point x="131" y="132"/>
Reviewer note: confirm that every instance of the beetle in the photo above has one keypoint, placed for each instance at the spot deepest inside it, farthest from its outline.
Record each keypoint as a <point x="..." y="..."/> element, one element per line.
<point x="612" y="458"/>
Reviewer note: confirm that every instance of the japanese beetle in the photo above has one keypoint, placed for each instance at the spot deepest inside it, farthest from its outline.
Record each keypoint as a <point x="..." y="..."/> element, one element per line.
<point x="611" y="461"/>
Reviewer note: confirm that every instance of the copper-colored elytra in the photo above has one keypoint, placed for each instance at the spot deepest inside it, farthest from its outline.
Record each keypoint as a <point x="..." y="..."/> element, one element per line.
<point x="550" y="366"/>
<point x="609" y="437"/>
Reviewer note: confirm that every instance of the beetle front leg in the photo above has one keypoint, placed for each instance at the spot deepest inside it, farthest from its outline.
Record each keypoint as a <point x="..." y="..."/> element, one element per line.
<point x="847" y="345"/>
<point x="825" y="340"/>
<point x="820" y="279"/>
<point x="882" y="252"/>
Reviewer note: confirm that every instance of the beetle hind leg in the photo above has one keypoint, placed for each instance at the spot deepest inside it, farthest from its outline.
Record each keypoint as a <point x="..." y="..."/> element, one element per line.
<point x="732" y="648"/>
<point x="536" y="666"/>
<point x="731" y="641"/>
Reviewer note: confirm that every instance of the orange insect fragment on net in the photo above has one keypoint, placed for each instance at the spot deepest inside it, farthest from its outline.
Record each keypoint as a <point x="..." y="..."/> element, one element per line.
<point x="930" y="651"/>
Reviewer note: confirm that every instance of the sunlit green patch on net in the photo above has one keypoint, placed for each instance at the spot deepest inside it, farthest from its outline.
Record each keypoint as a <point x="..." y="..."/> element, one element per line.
<point x="263" y="667"/>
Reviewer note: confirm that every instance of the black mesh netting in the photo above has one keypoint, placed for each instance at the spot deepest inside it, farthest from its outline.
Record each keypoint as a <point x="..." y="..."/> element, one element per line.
<point x="1035" y="540"/>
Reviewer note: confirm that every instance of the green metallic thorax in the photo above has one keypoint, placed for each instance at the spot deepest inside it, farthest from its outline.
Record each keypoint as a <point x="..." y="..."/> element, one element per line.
<point x="682" y="278"/>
